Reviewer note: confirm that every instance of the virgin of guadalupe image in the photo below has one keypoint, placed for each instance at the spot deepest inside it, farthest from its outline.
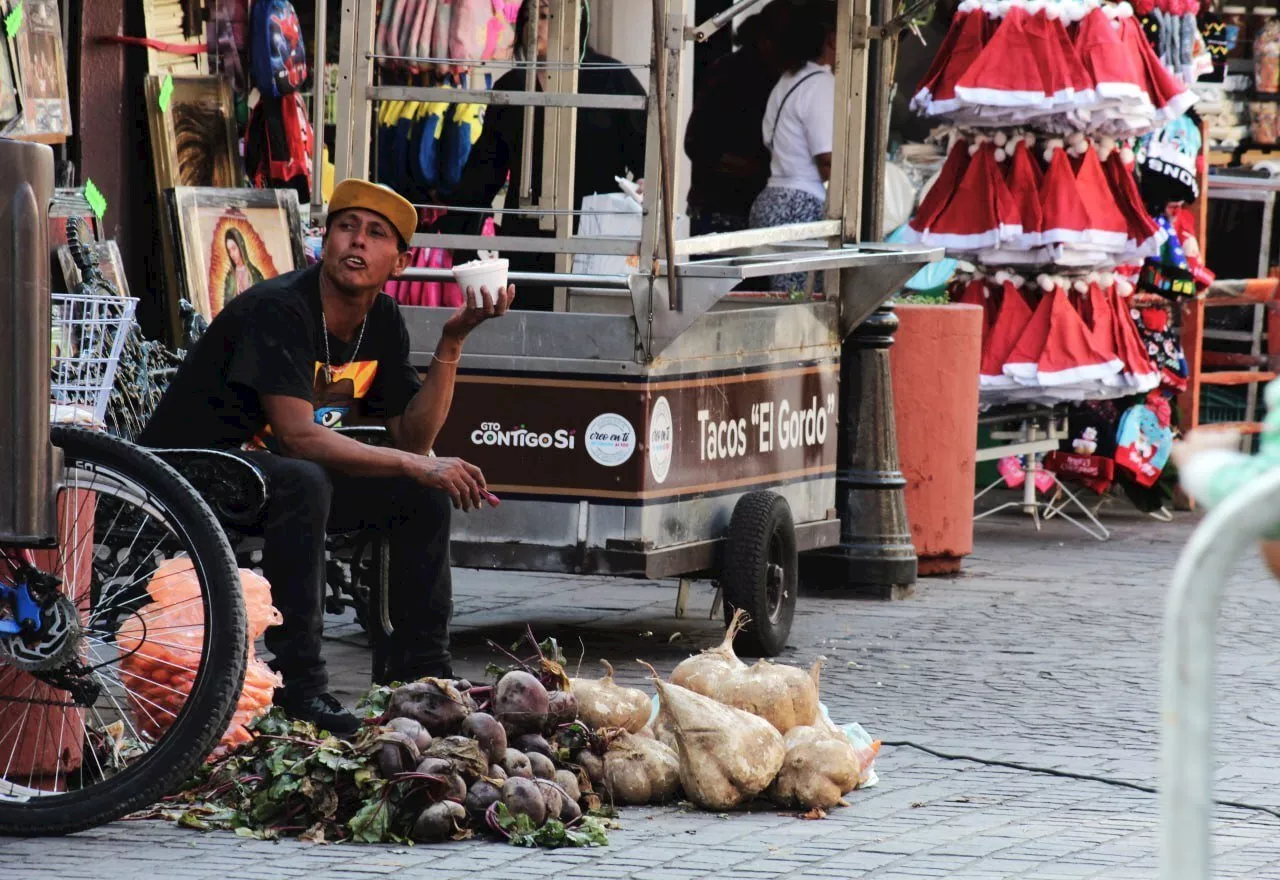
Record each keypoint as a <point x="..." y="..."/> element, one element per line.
<point x="238" y="260"/>
<point x="242" y="274"/>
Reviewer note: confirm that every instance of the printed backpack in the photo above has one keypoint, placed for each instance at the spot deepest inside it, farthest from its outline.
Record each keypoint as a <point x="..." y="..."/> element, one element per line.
<point x="279" y="56"/>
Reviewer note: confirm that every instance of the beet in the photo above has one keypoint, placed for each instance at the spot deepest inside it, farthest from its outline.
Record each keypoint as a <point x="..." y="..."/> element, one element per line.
<point x="412" y="729"/>
<point x="562" y="708"/>
<point x="433" y="766"/>
<point x="457" y="790"/>
<point x="485" y="730"/>
<point x="439" y="822"/>
<point x="396" y="754"/>
<point x="567" y="780"/>
<point x="496" y="772"/>
<point x="517" y="764"/>
<point x="520" y="702"/>
<point x="464" y="754"/>
<point x="542" y="766"/>
<point x="570" y="812"/>
<point x="533" y="742"/>
<point x="553" y="797"/>
<point x="433" y="703"/>
<point x="480" y="796"/>
<point x="524" y="796"/>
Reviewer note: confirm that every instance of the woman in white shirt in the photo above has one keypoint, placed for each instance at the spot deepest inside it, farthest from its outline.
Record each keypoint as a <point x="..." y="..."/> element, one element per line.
<point x="799" y="123"/>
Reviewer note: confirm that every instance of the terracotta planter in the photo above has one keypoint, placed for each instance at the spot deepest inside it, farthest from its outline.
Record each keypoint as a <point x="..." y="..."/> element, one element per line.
<point x="934" y="361"/>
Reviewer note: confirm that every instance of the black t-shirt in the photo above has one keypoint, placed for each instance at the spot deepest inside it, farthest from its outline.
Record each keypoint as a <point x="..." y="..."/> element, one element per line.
<point x="269" y="340"/>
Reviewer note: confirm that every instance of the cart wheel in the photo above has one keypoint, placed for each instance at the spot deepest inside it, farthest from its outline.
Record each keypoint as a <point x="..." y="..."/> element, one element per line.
<point x="760" y="574"/>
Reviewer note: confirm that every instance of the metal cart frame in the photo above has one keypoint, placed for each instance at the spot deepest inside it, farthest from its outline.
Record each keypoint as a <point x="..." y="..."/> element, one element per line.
<point x="660" y="355"/>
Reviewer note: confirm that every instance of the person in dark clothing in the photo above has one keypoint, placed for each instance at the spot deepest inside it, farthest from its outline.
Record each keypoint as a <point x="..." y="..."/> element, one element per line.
<point x="284" y="363"/>
<point x="609" y="144"/>
<point x="724" y="141"/>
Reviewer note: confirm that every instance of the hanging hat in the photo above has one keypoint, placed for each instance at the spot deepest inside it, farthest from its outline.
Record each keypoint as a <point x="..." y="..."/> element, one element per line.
<point x="1079" y="92"/>
<point x="1065" y="217"/>
<point x="1069" y="355"/>
<point x="981" y="214"/>
<point x="941" y="191"/>
<point x="1114" y="70"/>
<point x="1108" y="229"/>
<point x="959" y="49"/>
<point x="1144" y="235"/>
<point x="992" y="81"/>
<point x="1023" y="179"/>
<point x="1167" y="94"/>
<point x="1140" y="372"/>
<point x="1011" y="319"/>
<point x="1021" y="363"/>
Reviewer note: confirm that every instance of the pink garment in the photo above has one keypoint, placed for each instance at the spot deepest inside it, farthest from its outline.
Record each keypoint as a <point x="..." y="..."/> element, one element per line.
<point x="431" y="293"/>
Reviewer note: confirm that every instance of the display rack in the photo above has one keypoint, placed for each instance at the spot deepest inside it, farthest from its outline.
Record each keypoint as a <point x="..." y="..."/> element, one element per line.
<point x="1040" y="430"/>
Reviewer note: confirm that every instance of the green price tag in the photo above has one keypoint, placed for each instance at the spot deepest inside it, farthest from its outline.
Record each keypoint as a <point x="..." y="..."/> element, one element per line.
<point x="166" y="93"/>
<point x="96" y="199"/>
<point x="13" y="21"/>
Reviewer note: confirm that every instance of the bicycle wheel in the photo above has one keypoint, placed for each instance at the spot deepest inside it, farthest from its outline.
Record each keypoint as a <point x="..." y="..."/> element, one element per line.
<point x="135" y="669"/>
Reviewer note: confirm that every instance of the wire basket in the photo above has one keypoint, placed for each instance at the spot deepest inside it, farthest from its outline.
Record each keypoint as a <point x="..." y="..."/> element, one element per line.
<point x="89" y="332"/>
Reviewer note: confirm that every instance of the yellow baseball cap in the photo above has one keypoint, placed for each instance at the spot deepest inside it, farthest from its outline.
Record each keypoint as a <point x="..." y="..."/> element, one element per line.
<point x="398" y="210"/>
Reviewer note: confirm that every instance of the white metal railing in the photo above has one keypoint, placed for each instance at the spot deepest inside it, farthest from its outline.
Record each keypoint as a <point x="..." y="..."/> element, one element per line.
<point x="1187" y="667"/>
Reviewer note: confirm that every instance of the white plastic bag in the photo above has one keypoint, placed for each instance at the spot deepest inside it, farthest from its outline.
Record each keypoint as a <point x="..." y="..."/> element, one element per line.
<point x="609" y="215"/>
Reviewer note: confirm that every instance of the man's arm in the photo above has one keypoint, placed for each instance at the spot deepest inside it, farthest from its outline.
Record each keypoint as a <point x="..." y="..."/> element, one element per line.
<point x="417" y="428"/>
<point x="293" y="422"/>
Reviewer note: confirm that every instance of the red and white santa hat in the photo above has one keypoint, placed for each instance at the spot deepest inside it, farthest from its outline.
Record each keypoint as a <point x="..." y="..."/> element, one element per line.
<point x="959" y="49"/>
<point x="1108" y="227"/>
<point x="1115" y="71"/>
<point x="942" y="190"/>
<point x="1168" y="95"/>
<point x="1012" y="317"/>
<point x="1139" y="371"/>
<point x="982" y="213"/>
<point x="1069" y="355"/>
<point x="1022" y="362"/>
<point x="1145" y="236"/>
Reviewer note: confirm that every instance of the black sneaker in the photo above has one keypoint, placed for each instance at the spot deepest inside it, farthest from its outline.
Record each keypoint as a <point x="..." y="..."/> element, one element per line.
<point x="322" y="710"/>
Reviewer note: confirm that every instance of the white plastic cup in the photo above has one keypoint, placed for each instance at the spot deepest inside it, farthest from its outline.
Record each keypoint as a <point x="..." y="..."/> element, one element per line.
<point x="490" y="274"/>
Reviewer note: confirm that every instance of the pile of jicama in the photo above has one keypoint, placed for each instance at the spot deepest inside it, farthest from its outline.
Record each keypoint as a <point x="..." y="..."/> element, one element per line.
<point x="538" y="758"/>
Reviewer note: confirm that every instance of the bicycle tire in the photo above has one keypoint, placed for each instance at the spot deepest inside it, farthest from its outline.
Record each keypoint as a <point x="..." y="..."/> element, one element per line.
<point x="208" y="709"/>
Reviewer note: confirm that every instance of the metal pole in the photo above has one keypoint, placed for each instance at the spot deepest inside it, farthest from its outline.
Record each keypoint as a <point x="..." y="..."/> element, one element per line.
<point x="875" y="556"/>
<point x="709" y="28"/>
<point x="667" y="156"/>
<point x="879" y="82"/>
<point x="1187" y="665"/>
<point x="319" y="82"/>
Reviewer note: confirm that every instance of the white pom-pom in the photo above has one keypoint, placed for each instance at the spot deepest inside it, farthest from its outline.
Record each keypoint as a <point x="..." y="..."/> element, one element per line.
<point x="1080" y="287"/>
<point x="1000" y="277"/>
<point x="1000" y="139"/>
<point x="1046" y="283"/>
<point x="973" y="149"/>
<point x="1000" y="154"/>
<point x="1107" y="280"/>
<point x="1123" y="288"/>
<point x="1126" y="155"/>
<point x="1076" y="137"/>
<point x="1030" y="138"/>
<point x="1018" y="280"/>
<point x="1052" y="11"/>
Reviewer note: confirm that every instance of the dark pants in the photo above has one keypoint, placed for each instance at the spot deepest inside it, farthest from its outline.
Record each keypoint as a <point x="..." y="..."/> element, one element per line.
<point x="303" y="502"/>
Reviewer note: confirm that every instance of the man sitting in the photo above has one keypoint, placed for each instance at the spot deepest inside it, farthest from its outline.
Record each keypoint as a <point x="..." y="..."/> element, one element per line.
<point x="278" y="368"/>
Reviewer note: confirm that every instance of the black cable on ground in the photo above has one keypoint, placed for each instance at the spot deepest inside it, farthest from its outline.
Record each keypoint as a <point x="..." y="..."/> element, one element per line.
<point x="1066" y="774"/>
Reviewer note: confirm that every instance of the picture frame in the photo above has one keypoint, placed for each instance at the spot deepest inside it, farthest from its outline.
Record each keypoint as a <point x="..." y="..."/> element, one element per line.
<point x="193" y="140"/>
<point x="10" y="94"/>
<point x="41" y="74"/>
<point x="109" y="260"/>
<point x="230" y="239"/>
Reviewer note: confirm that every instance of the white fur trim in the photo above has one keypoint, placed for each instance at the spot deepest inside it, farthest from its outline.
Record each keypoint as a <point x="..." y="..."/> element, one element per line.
<point x="1082" y="373"/>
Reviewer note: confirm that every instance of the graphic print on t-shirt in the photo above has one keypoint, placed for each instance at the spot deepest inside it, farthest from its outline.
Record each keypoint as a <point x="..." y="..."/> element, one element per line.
<point x="335" y="402"/>
<point x="342" y="398"/>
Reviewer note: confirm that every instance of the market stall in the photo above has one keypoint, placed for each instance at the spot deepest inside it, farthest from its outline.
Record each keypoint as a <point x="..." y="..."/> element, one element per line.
<point x="648" y="427"/>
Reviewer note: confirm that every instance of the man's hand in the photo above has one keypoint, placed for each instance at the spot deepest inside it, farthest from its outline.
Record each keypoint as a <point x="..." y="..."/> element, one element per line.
<point x="470" y="316"/>
<point x="463" y="481"/>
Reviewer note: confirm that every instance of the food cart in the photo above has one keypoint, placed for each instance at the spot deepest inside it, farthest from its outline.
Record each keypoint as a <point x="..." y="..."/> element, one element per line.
<point x="654" y="425"/>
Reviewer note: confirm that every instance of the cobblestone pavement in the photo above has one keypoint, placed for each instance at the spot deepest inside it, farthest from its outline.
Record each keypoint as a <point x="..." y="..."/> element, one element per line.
<point x="1044" y="652"/>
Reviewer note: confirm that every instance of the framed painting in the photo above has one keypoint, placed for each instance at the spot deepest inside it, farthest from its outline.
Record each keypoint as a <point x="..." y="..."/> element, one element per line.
<point x="193" y="141"/>
<point x="10" y="99"/>
<point x="42" y="72"/>
<point x="107" y="253"/>
<point x="231" y="239"/>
